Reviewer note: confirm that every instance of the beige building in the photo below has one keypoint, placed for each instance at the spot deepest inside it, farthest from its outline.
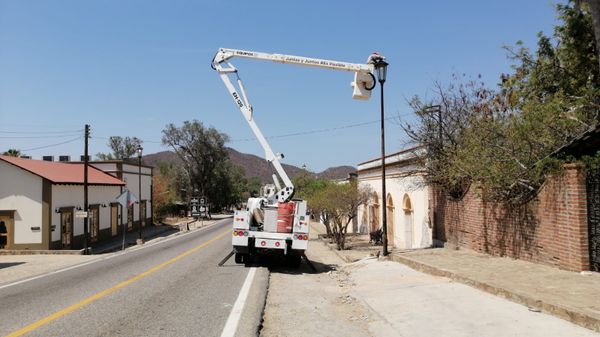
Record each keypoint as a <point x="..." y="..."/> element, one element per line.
<point x="407" y="200"/>
<point x="40" y="201"/>
<point x="127" y="171"/>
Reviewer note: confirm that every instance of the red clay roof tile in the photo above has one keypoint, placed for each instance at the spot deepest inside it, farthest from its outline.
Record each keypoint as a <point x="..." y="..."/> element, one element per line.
<point x="63" y="173"/>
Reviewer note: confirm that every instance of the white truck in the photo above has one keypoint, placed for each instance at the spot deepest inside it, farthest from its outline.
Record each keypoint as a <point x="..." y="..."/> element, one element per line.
<point x="275" y="222"/>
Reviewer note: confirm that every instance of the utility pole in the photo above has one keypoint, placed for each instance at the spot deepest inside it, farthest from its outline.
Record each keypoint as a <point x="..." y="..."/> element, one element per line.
<point x="85" y="190"/>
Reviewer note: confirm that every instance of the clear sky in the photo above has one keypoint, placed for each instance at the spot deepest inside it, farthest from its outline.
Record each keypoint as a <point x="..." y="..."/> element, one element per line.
<point x="129" y="67"/>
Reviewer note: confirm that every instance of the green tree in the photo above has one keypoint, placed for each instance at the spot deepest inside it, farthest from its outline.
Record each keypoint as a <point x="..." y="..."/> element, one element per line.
<point x="12" y="153"/>
<point x="338" y="204"/>
<point x="203" y="155"/>
<point x="504" y="139"/>
<point x="122" y="148"/>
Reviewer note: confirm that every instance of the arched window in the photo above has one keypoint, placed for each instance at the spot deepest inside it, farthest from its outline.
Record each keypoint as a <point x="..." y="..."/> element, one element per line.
<point x="407" y="204"/>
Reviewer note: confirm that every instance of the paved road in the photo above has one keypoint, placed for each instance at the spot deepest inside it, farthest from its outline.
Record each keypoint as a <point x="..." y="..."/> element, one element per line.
<point x="172" y="288"/>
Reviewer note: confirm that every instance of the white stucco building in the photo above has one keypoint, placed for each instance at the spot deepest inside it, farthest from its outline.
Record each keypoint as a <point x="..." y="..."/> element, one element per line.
<point x="407" y="200"/>
<point x="127" y="171"/>
<point x="39" y="201"/>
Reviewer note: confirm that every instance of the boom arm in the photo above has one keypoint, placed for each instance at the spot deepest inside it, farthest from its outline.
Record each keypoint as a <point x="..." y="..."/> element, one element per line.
<point x="363" y="83"/>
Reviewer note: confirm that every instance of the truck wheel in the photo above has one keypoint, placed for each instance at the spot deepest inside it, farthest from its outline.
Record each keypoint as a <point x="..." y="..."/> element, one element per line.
<point x="239" y="258"/>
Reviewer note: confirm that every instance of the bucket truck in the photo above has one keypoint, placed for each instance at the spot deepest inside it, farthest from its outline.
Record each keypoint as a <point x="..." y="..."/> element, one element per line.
<point x="275" y="222"/>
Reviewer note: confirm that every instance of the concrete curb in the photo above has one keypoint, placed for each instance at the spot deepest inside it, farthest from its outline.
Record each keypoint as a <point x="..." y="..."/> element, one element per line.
<point x="559" y="311"/>
<point x="337" y="252"/>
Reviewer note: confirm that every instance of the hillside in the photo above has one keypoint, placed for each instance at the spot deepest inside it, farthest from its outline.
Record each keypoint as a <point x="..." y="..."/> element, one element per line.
<point x="254" y="166"/>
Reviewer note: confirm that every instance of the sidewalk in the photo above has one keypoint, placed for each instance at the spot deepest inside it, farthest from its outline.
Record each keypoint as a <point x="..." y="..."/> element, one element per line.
<point x="574" y="297"/>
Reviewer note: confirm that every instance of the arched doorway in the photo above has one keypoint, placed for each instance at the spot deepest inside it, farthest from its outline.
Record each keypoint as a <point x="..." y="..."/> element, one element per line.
<point x="408" y="221"/>
<point x="390" y="220"/>
<point x="364" y="221"/>
<point x="374" y="214"/>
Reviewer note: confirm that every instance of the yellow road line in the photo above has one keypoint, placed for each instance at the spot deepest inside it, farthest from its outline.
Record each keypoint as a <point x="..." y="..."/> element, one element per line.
<point x="111" y="290"/>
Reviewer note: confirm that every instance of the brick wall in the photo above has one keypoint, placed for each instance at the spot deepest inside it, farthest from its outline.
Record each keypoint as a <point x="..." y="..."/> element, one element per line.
<point x="550" y="229"/>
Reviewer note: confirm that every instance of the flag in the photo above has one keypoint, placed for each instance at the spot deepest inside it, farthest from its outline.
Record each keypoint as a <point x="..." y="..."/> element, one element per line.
<point x="126" y="199"/>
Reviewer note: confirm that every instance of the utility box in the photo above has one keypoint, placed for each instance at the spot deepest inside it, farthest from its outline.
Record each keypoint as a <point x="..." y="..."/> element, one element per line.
<point x="270" y="222"/>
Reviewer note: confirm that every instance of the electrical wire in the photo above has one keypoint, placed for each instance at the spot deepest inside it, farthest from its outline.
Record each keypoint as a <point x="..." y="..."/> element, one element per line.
<point x="295" y="134"/>
<point x="51" y="145"/>
<point x="310" y="132"/>
<point x="42" y="132"/>
<point x="33" y="137"/>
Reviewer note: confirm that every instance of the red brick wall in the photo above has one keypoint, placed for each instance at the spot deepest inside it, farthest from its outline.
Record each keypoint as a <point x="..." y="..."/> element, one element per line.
<point x="550" y="229"/>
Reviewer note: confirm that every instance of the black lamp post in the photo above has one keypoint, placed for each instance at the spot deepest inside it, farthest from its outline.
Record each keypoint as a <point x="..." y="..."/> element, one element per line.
<point x="381" y="69"/>
<point x="139" y="153"/>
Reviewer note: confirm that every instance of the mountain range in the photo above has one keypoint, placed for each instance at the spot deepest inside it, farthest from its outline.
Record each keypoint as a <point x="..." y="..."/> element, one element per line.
<point x="255" y="166"/>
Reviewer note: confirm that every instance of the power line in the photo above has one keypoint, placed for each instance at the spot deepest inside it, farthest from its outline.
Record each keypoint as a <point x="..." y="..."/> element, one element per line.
<point x="295" y="134"/>
<point x="309" y="132"/>
<point x="42" y="132"/>
<point x="33" y="137"/>
<point x="51" y="145"/>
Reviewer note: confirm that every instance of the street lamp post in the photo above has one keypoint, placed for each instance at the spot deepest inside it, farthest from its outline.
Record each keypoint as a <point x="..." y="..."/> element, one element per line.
<point x="381" y="69"/>
<point x="139" y="153"/>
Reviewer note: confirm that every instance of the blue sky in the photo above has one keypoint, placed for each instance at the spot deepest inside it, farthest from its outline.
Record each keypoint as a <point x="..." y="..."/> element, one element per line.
<point x="128" y="68"/>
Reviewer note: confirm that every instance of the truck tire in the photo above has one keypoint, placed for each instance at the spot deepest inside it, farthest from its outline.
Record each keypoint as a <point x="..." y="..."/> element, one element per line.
<point x="239" y="258"/>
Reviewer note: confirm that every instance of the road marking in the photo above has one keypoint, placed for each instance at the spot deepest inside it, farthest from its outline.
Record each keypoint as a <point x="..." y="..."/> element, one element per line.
<point x="111" y="290"/>
<point x="238" y="307"/>
<point x="113" y="255"/>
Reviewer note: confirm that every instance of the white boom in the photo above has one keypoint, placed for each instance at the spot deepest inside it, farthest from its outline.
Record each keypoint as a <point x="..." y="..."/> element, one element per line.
<point x="363" y="83"/>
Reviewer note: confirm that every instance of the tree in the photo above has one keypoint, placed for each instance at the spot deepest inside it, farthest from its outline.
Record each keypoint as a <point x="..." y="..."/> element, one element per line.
<point x="203" y="154"/>
<point x="504" y="140"/>
<point x="594" y="9"/>
<point x="163" y="196"/>
<point x="12" y="153"/>
<point x="122" y="148"/>
<point x="339" y="203"/>
<point x="312" y="189"/>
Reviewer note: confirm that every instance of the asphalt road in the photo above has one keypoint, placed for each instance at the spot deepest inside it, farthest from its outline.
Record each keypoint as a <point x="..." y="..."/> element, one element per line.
<point x="171" y="288"/>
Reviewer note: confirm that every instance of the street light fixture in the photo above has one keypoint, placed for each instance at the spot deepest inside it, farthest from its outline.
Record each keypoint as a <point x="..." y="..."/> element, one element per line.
<point x="139" y="153"/>
<point x="381" y="70"/>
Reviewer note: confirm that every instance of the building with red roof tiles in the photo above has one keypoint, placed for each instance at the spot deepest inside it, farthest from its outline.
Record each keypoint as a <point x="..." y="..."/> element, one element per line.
<point x="39" y="201"/>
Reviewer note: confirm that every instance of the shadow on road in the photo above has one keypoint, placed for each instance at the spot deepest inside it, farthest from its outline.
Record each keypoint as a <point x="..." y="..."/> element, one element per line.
<point x="279" y="264"/>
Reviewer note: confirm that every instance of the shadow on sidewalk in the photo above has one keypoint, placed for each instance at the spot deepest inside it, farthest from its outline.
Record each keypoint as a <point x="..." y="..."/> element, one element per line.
<point x="10" y="264"/>
<point x="149" y="233"/>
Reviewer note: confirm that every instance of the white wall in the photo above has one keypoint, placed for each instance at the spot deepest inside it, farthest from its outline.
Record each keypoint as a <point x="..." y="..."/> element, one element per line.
<point x="22" y="191"/>
<point x="398" y="187"/>
<point x="72" y="196"/>
<point x="130" y="176"/>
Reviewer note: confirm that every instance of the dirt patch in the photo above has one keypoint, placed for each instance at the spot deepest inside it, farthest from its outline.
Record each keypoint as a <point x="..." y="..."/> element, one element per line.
<point x="305" y="303"/>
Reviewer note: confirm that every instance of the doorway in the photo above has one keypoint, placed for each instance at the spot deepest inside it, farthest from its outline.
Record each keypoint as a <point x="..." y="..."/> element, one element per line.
<point x="390" y="220"/>
<point x="94" y="222"/>
<point x="66" y="228"/>
<point x="408" y="222"/>
<point x="114" y="219"/>
<point x="374" y="214"/>
<point x="6" y="221"/>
